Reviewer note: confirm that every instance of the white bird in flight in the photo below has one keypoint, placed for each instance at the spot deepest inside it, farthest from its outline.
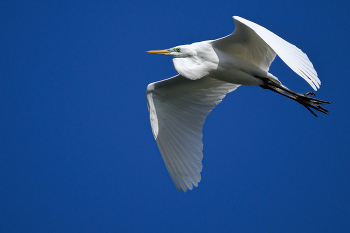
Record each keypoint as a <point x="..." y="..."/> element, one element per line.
<point x="207" y="71"/>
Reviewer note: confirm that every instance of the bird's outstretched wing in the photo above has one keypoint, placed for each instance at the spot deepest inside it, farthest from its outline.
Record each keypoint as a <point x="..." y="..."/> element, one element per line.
<point x="178" y="108"/>
<point x="260" y="46"/>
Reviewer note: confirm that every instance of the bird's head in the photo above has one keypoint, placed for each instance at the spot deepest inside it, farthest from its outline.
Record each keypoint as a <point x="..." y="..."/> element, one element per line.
<point x="178" y="51"/>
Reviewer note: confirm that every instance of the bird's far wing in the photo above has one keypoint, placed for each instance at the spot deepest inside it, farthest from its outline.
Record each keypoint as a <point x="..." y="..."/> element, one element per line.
<point x="260" y="46"/>
<point x="178" y="108"/>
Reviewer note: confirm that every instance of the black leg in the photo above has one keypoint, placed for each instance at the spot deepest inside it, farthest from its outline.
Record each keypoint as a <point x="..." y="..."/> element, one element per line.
<point x="304" y="99"/>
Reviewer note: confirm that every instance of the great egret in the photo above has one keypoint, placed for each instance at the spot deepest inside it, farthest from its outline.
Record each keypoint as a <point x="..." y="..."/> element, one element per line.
<point x="207" y="71"/>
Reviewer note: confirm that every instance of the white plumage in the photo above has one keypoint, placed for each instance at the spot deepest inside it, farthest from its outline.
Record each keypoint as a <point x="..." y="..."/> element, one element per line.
<point x="207" y="71"/>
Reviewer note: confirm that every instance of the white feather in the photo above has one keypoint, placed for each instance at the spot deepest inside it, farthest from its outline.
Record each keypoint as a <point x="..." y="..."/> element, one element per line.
<point x="260" y="46"/>
<point x="178" y="108"/>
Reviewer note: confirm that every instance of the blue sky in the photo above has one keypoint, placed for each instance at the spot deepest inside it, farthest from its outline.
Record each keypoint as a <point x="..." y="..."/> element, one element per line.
<point x="77" y="151"/>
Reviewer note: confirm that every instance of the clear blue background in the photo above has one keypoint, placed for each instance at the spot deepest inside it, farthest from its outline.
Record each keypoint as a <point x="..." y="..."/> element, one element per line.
<point x="77" y="151"/>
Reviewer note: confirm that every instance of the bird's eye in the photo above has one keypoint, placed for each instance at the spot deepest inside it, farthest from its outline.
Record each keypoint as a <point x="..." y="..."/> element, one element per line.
<point x="177" y="49"/>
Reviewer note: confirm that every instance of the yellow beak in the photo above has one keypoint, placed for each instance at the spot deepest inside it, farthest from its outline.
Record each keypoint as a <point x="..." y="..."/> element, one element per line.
<point x="164" y="52"/>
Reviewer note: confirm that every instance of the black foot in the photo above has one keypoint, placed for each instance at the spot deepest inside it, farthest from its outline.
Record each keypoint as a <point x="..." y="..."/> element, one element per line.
<point x="310" y="93"/>
<point x="304" y="99"/>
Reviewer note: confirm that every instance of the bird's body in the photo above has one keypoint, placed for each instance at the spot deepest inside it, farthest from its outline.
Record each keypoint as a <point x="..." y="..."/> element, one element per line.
<point x="207" y="71"/>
